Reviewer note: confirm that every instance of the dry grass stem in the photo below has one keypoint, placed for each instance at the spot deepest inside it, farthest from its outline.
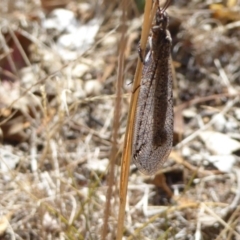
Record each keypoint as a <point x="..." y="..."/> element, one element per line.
<point x="67" y="112"/>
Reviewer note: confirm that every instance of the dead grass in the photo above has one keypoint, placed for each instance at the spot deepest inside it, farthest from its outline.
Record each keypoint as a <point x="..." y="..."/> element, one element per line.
<point x="57" y="110"/>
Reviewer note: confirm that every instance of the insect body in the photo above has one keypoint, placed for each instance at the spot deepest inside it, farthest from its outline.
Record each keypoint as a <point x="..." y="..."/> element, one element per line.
<point x="153" y="131"/>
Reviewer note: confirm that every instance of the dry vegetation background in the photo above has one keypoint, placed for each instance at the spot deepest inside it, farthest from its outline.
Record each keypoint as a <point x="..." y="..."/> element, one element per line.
<point x="58" y="72"/>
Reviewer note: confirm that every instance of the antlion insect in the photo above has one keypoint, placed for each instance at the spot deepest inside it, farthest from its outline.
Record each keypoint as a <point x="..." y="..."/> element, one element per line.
<point x="153" y="131"/>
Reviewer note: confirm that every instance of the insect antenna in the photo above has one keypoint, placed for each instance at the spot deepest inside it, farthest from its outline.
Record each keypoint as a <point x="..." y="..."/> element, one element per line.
<point x="167" y="3"/>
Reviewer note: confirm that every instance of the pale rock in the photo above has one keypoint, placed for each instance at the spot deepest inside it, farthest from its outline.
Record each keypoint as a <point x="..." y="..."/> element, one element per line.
<point x="50" y="223"/>
<point x="98" y="165"/>
<point x="60" y="20"/>
<point x="189" y="113"/>
<point x="109" y="41"/>
<point x="92" y="87"/>
<point x="8" y="162"/>
<point x="197" y="158"/>
<point x="186" y="151"/>
<point x="237" y="113"/>
<point x="80" y="39"/>
<point x="223" y="163"/>
<point x="219" y="123"/>
<point x="219" y="143"/>
<point x="79" y="70"/>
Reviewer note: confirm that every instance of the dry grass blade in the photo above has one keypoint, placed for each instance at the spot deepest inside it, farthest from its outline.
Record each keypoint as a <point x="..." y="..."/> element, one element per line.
<point x="127" y="149"/>
<point x="60" y="133"/>
<point x="116" y="119"/>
